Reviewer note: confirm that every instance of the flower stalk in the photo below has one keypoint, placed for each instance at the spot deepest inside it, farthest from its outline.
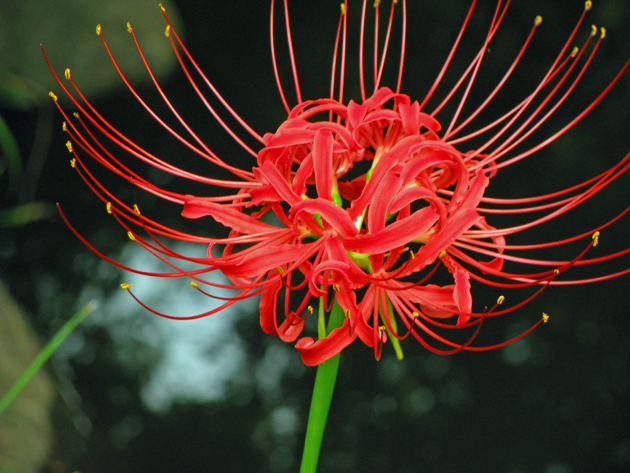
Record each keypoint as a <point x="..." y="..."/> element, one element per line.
<point x="322" y="396"/>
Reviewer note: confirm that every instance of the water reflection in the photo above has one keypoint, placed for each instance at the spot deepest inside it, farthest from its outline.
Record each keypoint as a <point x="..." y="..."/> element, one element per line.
<point x="187" y="361"/>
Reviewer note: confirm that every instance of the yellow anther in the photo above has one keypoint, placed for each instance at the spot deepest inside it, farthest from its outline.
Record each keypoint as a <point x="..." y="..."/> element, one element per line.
<point x="108" y="206"/>
<point x="67" y="74"/>
<point x="575" y="51"/>
<point x="588" y="5"/>
<point x="73" y="162"/>
<point x="347" y="313"/>
<point x="538" y="20"/>
<point x="162" y="7"/>
<point x="415" y="314"/>
<point x="500" y="300"/>
<point x="545" y="317"/>
<point x="280" y="270"/>
<point x="594" y="32"/>
<point x="64" y="127"/>
<point x="335" y="287"/>
<point x="52" y="94"/>
<point x="167" y="31"/>
<point x="136" y="209"/>
<point x="69" y="146"/>
<point x="395" y="2"/>
<point x="194" y="284"/>
<point x="412" y="254"/>
<point x="75" y="114"/>
<point x="603" y="32"/>
<point x="310" y="309"/>
<point x="343" y="8"/>
<point x="376" y="3"/>
<point x="595" y="238"/>
<point x="98" y="29"/>
<point x="382" y="338"/>
<point x="126" y="285"/>
<point x="442" y="254"/>
<point x="129" y="27"/>
<point x="131" y="237"/>
<point x="556" y="271"/>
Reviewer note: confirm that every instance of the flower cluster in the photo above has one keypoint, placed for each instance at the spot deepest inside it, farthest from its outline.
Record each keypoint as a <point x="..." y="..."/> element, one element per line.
<point x="359" y="203"/>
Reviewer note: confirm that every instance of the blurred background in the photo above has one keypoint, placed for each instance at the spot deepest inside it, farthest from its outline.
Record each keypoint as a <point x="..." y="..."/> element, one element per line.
<point x="131" y="392"/>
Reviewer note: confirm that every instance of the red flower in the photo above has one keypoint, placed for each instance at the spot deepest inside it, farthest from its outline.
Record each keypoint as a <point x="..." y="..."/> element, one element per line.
<point x="369" y="199"/>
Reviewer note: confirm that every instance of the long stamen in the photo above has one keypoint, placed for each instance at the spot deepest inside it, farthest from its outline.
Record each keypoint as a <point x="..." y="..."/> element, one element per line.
<point x="113" y="134"/>
<point x="507" y="146"/>
<point x="291" y="54"/>
<point x="499" y="85"/>
<point x="207" y="81"/>
<point x="361" y="56"/>
<point x="377" y="79"/>
<point x="402" y="46"/>
<point x="377" y="4"/>
<point x="575" y="120"/>
<point x="449" y="57"/>
<point x="473" y="67"/>
<point x="274" y="61"/>
<point x="334" y="61"/>
<point x="342" y="71"/>
<point x="203" y="99"/>
<point x="529" y="100"/>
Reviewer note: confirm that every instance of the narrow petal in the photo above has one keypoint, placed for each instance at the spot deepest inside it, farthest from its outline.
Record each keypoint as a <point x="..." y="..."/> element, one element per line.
<point x="281" y="140"/>
<point x="461" y="294"/>
<point x="227" y="216"/>
<point x="411" y="194"/>
<point x="289" y="330"/>
<point x="380" y="170"/>
<point x="377" y="211"/>
<point x="279" y="183"/>
<point x="336" y="216"/>
<point x="433" y="299"/>
<point x="426" y="161"/>
<point x="452" y="229"/>
<point x="474" y="194"/>
<point x="409" y="114"/>
<point x="303" y="173"/>
<point x="316" y="352"/>
<point x="322" y="163"/>
<point x="266" y="258"/>
<point x="394" y="235"/>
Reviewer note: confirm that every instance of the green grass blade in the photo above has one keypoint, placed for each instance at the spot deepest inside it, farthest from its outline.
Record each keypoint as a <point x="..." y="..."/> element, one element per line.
<point x="45" y="354"/>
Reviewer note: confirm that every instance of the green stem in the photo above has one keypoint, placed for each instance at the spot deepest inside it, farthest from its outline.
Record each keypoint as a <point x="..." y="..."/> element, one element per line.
<point x="322" y="396"/>
<point x="46" y="353"/>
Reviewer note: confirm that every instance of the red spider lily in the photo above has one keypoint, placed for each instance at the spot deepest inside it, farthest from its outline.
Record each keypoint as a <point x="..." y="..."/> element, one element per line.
<point x="369" y="198"/>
